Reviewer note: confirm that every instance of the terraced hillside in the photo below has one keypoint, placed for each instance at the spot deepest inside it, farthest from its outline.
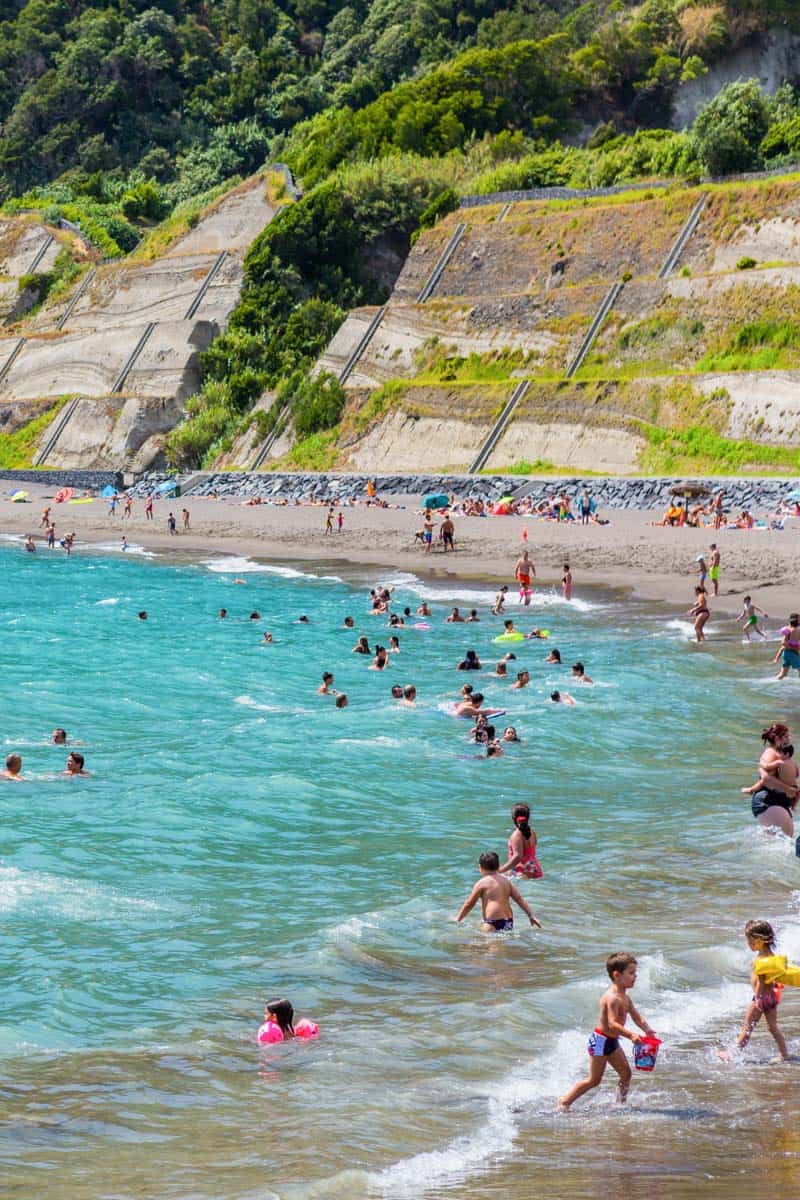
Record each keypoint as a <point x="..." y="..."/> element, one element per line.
<point x="698" y="351"/>
<point x="123" y="343"/>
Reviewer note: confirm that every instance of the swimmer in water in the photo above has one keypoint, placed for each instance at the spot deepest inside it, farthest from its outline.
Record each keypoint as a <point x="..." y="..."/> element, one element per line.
<point x="501" y="670"/>
<point x="562" y="698"/>
<point x="255" y="616"/>
<point x="222" y="614"/>
<point x="454" y="618"/>
<point x="362" y="646"/>
<point x="522" y="844"/>
<point x="267" y="638"/>
<point x="510" y="734"/>
<point x="473" y="615"/>
<point x="495" y="893"/>
<point x="394" y="644"/>
<point x="424" y="609"/>
<point x="142" y="615"/>
<point x="326" y="687"/>
<point x="397" y="691"/>
<point x="554" y="657"/>
<point x="566" y="582"/>
<point x="13" y="771"/>
<point x="579" y="674"/>
<point x="59" y="737"/>
<point x="74" y="765"/>
<point x="341" y="700"/>
<point x="348" y="623"/>
<point x="523" y="679"/>
<point x="409" y="696"/>
<point x="29" y="545"/>
<point x="536" y="633"/>
<point x="470" y="662"/>
<point x="303" y="620"/>
<point x="381" y="660"/>
<point x="494" y="750"/>
<point x="499" y="606"/>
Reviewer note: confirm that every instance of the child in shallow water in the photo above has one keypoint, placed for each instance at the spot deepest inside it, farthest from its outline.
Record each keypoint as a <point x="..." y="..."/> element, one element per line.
<point x="764" y="1002"/>
<point x="522" y="858"/>
<point x="279" y="1023"/>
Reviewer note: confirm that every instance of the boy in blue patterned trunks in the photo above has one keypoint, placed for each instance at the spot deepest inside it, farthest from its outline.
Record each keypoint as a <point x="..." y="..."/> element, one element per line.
<point x="615" y="1006"/>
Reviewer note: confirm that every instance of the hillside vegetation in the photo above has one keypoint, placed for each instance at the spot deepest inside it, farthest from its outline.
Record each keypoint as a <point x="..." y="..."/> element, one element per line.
<point x="122" y="114"/>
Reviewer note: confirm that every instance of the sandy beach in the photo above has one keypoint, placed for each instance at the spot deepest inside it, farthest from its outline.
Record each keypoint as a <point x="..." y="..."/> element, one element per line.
<point x="630" y="554"/>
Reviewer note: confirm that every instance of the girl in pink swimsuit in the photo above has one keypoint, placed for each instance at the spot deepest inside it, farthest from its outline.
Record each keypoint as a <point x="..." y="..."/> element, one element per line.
<point x="522" y="858"/>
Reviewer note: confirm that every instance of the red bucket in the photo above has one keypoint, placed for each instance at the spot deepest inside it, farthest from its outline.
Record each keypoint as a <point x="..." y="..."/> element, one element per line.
<point x="645" y="1053"/>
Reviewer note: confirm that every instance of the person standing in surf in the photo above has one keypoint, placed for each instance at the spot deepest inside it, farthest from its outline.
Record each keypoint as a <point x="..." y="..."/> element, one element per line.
<point x="523" y="571"/>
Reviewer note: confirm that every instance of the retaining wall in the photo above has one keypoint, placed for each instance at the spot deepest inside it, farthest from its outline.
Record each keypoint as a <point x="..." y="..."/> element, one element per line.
<point x="608" y="492"/>
<point x="81" y="480"/>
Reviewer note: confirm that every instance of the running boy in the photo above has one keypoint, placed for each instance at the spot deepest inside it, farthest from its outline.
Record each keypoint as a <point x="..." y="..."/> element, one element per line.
<point x="495" y="893"/>
<point x="749" y="617"/>
<point x="615" y="1006"/>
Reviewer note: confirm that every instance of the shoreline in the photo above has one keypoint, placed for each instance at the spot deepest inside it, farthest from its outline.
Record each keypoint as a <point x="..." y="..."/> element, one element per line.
<point x="629" y="559"/>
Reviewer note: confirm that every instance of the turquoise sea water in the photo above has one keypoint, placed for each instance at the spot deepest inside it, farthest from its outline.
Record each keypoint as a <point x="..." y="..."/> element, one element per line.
<point x="241" y="838"/>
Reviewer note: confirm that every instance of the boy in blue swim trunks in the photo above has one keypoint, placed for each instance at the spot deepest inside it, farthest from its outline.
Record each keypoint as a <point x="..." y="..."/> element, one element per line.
<point x="495" y="893"/>
<point x="615" y="1006"/>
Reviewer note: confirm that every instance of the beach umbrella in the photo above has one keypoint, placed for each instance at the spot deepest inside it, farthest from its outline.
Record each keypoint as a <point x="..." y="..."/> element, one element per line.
<point x="169" y="485"/>
<point x="793" y="495"/>
<point x="436" y="500"/>
<point x="108" y="491"/>
<point x="19" y="497"/>
<point x="63" y="494"/>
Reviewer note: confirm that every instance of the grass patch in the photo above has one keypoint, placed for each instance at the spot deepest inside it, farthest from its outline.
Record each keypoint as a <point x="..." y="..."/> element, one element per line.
<point x="318" y="452"/>
<point x="17" y="449"/>
<point x="495" y="366"/>
<point x="699" y="450"/>
<point x="540" y="466"/>
<point x="758" y="346"/>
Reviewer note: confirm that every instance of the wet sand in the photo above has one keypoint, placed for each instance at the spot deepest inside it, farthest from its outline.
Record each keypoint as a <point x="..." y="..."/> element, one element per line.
<point x="629" y="554"/>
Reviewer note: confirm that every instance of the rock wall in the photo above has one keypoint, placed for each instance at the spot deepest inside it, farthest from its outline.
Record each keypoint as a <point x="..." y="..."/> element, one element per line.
<point x="759" y="495"/>
<point x="80" y="480"/>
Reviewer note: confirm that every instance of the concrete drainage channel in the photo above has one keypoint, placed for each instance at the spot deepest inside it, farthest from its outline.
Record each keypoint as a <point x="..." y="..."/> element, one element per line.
<point x="606" y="305"/>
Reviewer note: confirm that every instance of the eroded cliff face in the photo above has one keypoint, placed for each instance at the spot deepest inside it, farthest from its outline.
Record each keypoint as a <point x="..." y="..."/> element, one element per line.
<point x="714" y="343"/>
<point x="127" y="338"/>
<point x="772" y="58"/>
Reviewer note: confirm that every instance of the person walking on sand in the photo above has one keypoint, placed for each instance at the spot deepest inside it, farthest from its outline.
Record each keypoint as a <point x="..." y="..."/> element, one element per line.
<point x="185" y="515"/>
<point x="340" y="521"/>
<point x="148" y="508"/>
<point x="523" y="571"/>
<point x="172" y="524"/>
<point x="566" y="582"/>
<point x="713" y="567"/>
<point x="128" y="509"/>
<point x="45" y="521"/>
<point x="604" y="1048"/>
<point x="427" y="531"/>
<point x="749" y="617"/>
<point x="51" y="537"/>
<point x="329" y="522"/>
<point x="447" y="530"/>
<point x="700" y="612"/>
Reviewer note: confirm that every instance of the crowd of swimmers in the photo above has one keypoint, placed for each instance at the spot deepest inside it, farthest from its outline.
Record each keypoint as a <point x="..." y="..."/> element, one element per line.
<point x="774" y="796"/>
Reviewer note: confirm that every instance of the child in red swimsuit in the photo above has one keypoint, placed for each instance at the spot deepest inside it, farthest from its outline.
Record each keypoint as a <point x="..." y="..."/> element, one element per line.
<point x="522" y="858"/>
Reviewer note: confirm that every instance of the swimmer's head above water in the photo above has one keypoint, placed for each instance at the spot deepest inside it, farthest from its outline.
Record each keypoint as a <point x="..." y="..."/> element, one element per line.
<point x="59" y="737"/>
